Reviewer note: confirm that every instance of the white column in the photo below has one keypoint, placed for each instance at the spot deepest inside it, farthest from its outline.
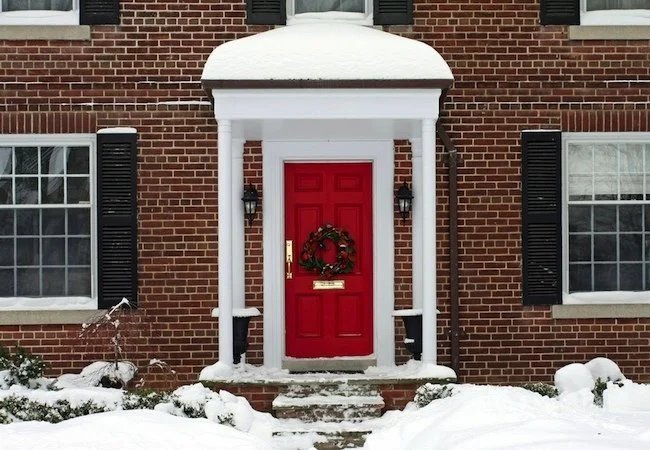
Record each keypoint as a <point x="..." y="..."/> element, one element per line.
<point x="238" y="225"/>
<point x="429" y="322"/>
<point x="416" y="221"/>
<point x="224" y="185"/>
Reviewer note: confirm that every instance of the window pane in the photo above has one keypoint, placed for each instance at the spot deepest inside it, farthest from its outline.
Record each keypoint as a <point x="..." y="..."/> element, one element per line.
<point x="78" y="190"/>
<point x="580" y="247"/>
<point x="630" y="217"/>
<point x="27" y="282"/>
<point x="7" y="252"/>
<point x="631" y="158"/>
<point x="631" y="247"/>
<point x="53" y="221"/>
<point x="36" y="5"/>
<point x="5" y="161"/>
<point x="27" y="190"/>
<point x="27" y="222"/>
<point x="52" y="190"/>
<point x="6" y="194"/>
<point x="26" y="160"/>
<point x="631" y="277"/>
<point x="78" y="251"/>
<point x="605" y="277"/>
<point x="78" y="221"/>
<point x="51" y="160"/>
<point x="579" y="218"/>
<point x="7" y="282"/>
<point x="79" y="281"/>
<point x="6" y="222"/>
<point x="581" y="187"/>
<point x="304" y="6"/>
<point x="594" y="5"/>
<point x="53" y="251"/>
<point x="631" y="187"/>
<point x="605" y="247"/>
<point x="27" y="252"/>
<point x="6" y="188"/>
<point x="580" y="158"/>
<point x="580" y="278"/>
<point x="604" y="218"/>
<point x="53" y="281"/>
<point x="605" y="158"/>
<point x="606" y="187"/>
<point x="78" y="160"/>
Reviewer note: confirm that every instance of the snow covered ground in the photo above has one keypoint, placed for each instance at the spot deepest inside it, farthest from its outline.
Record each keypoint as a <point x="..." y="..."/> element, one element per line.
<point x="474" y="417"/>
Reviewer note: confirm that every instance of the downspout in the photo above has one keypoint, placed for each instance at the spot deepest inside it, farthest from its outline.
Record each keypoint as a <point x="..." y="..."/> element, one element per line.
<point x="453" y="240"/>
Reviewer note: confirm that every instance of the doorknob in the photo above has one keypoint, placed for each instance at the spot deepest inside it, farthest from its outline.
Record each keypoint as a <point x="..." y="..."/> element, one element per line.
<point x="289" y="257"/>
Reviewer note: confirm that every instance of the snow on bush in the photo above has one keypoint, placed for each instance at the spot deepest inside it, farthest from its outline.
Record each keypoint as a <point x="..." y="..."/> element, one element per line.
<point x="198" y="401"/>
<point x="427" y="393"/>
<point x="626" y="396"/>
<point x="604" y="369"/>
<point x="100" y="373"/>
<point x="572" y="378"/>
<point x="543" y="389"/>
<point x="21" y="367"/>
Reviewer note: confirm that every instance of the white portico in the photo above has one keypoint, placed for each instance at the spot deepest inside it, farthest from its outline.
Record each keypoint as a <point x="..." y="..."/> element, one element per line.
<point x="318" y="93"/>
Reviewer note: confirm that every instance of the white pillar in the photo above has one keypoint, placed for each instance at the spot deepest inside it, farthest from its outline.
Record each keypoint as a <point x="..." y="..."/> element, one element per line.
<point x="416" y="221"/>
<point x="238" y="225"/>
<point x="224" y="185"/>
<point x="429" y="322"/>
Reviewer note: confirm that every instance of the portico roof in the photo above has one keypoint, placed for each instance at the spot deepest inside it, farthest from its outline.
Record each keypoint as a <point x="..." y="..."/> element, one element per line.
<point x="325" y="55"/>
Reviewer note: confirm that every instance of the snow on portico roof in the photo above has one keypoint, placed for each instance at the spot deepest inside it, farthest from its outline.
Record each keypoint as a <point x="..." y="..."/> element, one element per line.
<point x="325" y="52"/>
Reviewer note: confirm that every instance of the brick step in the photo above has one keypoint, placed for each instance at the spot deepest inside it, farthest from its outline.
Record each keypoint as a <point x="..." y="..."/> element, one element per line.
<point x="341" y="389"/>
<point x="328" y="408"/>
<point x="292" y="434"/>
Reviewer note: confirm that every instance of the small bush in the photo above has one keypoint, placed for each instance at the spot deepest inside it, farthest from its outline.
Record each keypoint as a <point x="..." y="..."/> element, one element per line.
<point x="5" y="358"/>
<point x="145" y="399"/>
<point x="25" y="366"/>
<point x="20" y="408"/>
<point x="599" y="388"/>
<point x="427" y="393"/>
<point x="543" y="389"/>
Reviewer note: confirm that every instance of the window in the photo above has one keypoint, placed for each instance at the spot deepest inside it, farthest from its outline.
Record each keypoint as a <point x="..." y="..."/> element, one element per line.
<point x="35" y="12"/>
<point x="607" y="230"/>
<point x="615" y="12"/>
<point x="355" y="11"/>
<point x="46" y="222"/>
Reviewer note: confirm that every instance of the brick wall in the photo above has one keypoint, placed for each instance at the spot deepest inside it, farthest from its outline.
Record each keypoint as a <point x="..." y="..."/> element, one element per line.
<point x="511" y="74"/>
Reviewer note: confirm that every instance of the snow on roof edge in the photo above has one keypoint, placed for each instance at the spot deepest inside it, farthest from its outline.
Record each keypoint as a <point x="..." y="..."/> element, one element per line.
<point x="117" y="130"/>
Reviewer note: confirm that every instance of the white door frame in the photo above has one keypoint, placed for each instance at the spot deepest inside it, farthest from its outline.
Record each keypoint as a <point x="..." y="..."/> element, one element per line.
<point x="381" y="155"/>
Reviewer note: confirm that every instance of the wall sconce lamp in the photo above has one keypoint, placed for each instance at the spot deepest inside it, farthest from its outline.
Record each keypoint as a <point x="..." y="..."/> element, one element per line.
<point x="404" y="199"/>
<point x="250" y="200"/>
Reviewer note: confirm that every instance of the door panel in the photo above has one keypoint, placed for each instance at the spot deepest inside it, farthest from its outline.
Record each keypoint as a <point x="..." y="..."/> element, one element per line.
<point x="329" y="323"/>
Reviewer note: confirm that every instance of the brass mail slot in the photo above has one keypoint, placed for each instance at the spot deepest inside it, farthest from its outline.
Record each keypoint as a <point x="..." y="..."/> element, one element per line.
<point x="329" y="284"/>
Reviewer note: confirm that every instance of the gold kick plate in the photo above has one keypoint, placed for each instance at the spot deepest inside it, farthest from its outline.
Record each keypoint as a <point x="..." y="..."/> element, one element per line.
<point x="328" y="284"/>
<point x="288" y="245"/>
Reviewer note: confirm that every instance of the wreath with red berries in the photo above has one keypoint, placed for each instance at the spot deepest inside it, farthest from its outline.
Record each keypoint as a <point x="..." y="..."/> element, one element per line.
<point x="312" y="250"/>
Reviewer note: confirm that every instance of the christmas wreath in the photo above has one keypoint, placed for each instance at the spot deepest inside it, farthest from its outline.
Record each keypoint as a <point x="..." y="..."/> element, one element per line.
<point x="312" y="250"/>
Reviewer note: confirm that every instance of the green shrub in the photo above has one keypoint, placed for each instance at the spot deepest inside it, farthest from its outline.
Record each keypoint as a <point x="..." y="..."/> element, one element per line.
<point x="5" y="358"/>
<point x="25" y="366"/>
<point x="145" y="399"/>
<point x="15" y="407"/>
<point x="427" y="393"/>
<point x="543" y="389"/>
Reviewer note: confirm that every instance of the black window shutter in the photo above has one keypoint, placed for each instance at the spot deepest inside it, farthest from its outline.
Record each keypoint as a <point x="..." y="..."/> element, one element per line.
<point x="99" y="12"/>
<point x="117" y="226"/>
<point x="541" y="196"/>
<point x="559" y="12"/>
<point x="393" y="12"/>
<point x="266" y="12"/>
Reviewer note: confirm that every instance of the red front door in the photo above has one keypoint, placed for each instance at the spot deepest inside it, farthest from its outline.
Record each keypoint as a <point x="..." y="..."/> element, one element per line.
<point x="338" y="322"/>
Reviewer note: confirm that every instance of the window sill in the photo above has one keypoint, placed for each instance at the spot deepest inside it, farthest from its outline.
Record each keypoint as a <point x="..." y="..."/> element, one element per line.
<point x="45" y="32"/>
<point x="609" y="32"/>
<point x="611" y="311"/>
<point x="47" y="317"/>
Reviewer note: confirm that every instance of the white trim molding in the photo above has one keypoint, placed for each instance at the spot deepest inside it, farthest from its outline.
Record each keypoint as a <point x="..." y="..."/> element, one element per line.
<point x="380" y="153"/>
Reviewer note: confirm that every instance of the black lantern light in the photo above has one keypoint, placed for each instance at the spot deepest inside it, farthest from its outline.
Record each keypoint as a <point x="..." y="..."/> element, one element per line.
<point x="404" y="199"/>
<point x="250" y="199"/>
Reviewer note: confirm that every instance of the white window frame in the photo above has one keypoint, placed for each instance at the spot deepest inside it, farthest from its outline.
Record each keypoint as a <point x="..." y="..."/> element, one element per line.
<point x="41" y="17"/>
<point x="616" y="17"/>
<point x="354" y="18"/>
<point x="64" y="302"/>
<point x="605" y="297"/>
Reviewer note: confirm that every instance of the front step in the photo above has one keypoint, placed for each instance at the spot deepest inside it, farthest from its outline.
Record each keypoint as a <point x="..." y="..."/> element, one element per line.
<point x="328" y="408"/>
<point x="294" y="434"/>
<point x="327" y="415"/>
